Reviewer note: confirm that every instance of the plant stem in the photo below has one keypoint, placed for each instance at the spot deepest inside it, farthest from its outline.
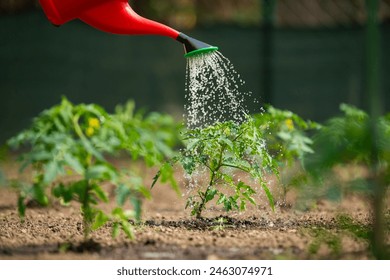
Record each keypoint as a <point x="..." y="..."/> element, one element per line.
<point x="85" y="203"/>
<point x="77" y="127"/>
<point x="235" y="166"/>
<point x="211" y="183"/>
<point x="202" y="204"/>
<point x="86" y="211"/>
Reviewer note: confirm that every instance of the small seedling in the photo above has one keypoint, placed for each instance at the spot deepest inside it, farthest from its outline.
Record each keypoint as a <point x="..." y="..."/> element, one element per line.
<point x="221" y="224"/>
<point x="227" y="152"/>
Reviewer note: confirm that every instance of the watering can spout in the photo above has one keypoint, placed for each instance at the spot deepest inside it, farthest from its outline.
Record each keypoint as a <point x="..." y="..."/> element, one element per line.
<point x="117" y="17"/>
<point x="193" y="46"/>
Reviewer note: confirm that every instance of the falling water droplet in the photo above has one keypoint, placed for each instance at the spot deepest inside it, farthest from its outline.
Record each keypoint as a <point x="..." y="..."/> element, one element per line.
<point x="214" y="91"/>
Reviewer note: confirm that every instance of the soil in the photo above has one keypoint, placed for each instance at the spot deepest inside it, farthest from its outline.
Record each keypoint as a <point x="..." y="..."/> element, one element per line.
<point x="169" y="232"/>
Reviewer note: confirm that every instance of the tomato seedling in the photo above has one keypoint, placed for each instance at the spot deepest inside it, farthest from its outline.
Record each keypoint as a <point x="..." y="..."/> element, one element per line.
<point x="287" y="139"/>
<point x="221" y="150"/>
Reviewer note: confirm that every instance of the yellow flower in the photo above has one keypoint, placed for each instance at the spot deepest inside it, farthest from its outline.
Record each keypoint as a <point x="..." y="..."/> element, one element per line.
<point x="290" y="124"/>
<point x="93" y="123"/>
<point x="90" y="131"/>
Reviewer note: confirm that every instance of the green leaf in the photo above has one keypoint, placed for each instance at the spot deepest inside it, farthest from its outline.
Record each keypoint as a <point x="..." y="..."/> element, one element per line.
<point x="137" y="204"/>
<point x="188" y="163"/>
<point x="127" y="229"/>
<point x="249" y="198"/>
<point x="61" y="191"/>
<point x="228" y="143"/>
<point x="233" y="202"/>
<point x="100" y="193"/>
<point x="99" y="172"/>
<point x="91" y="150"/>
<point x="100" y="220"/>
<point x="144" y="192"/>
<point x="269" y="196"/>
<point x="115" y="230"/>
<point x="191" y="144"/>
<point x="241" y="185"/>
<point x="222" y="199"/>
<point x="155" y="179"/>
<point x="243" y="205"/>
<point x="51" y="171"/>
<point x="74" y="163"/>
<point x="285" y="135"/>
<point x="79" y="188"/>
<point x="167" y="175"/>
<point x="211" y="194"/>
<point x="190" y="202"/>
<point x="119" y="214"/>
<point x="227" y="205"/>
<point x="122" y="194"/>
<point x="39" y="194"/>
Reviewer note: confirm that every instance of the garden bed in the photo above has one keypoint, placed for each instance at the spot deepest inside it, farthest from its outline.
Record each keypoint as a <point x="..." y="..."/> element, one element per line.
<point x="229" y="167"/>
<point x="168" y="232"/>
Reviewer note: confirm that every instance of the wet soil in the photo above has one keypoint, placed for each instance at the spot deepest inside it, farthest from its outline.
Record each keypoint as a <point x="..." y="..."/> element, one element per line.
<point x="169" y="232"/>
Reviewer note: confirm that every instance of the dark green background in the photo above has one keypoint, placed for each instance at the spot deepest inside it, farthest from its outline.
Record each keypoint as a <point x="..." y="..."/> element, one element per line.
<point x="314" y="70"/>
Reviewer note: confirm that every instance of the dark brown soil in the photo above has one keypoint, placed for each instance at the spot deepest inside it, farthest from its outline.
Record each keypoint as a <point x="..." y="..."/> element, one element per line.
<point x="168" y="232"/>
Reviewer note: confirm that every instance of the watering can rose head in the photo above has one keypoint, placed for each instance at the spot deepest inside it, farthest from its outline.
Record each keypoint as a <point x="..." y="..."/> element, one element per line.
<point x="117" y="17"/>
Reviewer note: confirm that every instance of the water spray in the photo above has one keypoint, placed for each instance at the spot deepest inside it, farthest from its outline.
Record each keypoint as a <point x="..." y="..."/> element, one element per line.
<point x="117" y="17"/>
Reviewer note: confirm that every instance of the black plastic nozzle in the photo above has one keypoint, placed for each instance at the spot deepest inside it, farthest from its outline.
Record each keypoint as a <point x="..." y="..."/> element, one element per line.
<point x="193" y="46"/>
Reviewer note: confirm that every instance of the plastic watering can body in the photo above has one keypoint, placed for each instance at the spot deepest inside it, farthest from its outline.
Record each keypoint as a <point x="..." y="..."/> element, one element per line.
<point x="117" y="17"/>
<point x="112" y="16"/>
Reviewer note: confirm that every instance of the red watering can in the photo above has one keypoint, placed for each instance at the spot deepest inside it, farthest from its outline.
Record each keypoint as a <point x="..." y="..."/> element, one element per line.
<point x="117" y="17"/>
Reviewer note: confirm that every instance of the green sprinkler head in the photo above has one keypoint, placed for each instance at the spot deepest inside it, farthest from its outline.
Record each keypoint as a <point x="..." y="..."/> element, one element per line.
<point x="194" y="47"/>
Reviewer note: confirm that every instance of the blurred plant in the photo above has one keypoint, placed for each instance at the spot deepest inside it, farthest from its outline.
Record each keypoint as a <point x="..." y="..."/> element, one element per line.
<point x="345" y="142"/>
<point x="286" y="135"/>
<point x="219" y="150"/>
<point x="156" y="134"/>
<point x="72" y="139"/>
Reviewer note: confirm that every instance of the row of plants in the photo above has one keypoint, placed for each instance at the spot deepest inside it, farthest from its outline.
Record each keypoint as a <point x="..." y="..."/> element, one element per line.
<point x="69" y="150"/>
